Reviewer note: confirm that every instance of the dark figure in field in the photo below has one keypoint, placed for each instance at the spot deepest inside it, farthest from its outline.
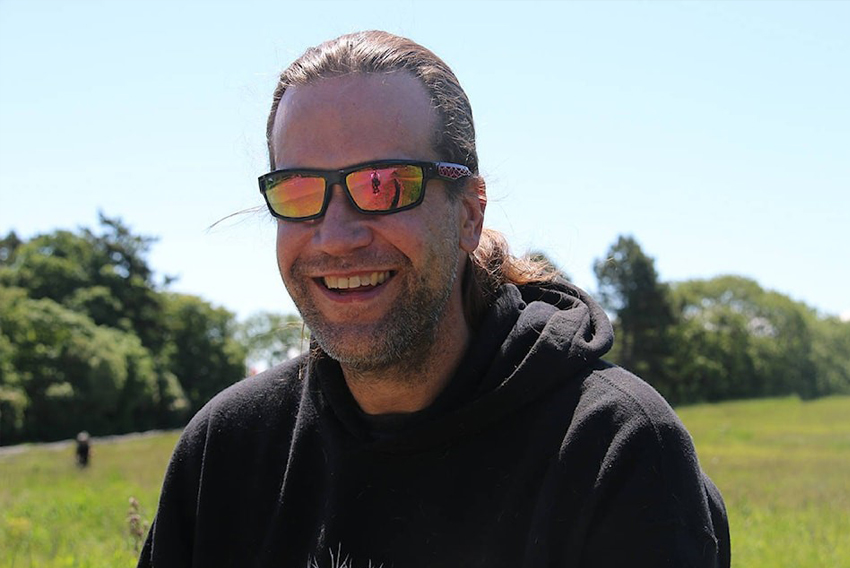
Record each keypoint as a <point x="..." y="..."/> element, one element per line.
<point x="454" y="409"/>
<point x="83" y="449"/>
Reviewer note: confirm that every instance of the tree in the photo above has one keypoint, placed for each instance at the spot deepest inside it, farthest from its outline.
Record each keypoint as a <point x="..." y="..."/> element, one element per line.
<point x="737" y="340"/>
<point x="712" y="345"/>
<point x="51" y="266"/>
<point x="270" y="338"/>
<point x="69" y="374"/>
<point x="121" y="268"/>
<point x="629" y="289"/>
<point x="831" y="353"/>
<point x="13" y="397"/>
<point x="200" y="348"/>
<point x="88" y="340"/>
<point x="103" y="275"/>
<point x="8" y="246"/>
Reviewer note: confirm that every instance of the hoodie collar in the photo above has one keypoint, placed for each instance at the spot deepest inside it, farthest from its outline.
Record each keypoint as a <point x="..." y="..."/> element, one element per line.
<point x="533" y="337"/>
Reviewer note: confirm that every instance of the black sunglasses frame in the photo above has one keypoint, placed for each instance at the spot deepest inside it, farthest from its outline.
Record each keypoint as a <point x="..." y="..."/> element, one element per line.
<point x="430" y="170"/>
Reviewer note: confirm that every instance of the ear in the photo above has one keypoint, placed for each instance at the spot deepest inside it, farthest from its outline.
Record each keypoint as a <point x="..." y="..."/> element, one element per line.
<point x="473" y="204"/>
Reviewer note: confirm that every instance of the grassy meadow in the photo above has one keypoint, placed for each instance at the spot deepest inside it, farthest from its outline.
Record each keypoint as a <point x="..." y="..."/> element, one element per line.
<point x="53" y="514"/>
<point x="783" y="466"/>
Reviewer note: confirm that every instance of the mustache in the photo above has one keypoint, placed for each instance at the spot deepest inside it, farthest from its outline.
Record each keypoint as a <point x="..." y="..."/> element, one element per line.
<point x="323" y="262"/>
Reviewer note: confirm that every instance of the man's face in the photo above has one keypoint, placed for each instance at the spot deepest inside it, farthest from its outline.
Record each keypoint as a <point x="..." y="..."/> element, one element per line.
<point x="375" y="290"/>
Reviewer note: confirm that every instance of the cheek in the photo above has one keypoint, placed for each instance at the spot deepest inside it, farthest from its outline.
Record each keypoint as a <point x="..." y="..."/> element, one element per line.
<point x="289" y="242"/>
<point x="439" y="237"/>
<point x="411" y="235"/>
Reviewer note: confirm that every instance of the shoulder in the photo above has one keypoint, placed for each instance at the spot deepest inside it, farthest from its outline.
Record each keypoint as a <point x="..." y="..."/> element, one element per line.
<point x="624" y="429"/>
<point x="248" y="423"/>
<point x="641" y="474"/>
<point x="614" y="395"/>
<point x="261" y="401"/>
<point x="282" y="384"/>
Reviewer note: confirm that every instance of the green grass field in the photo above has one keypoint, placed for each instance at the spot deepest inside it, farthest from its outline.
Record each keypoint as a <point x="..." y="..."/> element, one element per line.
<point x="783" y="466"/>
<point x="53" y="514"/>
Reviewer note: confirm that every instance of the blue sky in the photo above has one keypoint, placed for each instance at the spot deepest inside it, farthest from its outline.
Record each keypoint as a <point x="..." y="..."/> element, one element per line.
<point x="717" y="134"/>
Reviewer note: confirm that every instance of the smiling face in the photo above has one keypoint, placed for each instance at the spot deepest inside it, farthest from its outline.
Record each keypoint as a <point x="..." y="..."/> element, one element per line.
<point x="376" y="291"/>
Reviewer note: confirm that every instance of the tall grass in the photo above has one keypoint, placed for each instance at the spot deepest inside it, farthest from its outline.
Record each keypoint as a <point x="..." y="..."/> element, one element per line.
<point x="53" y="514"/>
<point x="783" y="466"/>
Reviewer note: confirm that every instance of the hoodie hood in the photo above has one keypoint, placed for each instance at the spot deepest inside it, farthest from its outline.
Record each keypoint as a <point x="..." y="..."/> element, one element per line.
<point x="545" y="321"/>
<point x="532" y="339"/>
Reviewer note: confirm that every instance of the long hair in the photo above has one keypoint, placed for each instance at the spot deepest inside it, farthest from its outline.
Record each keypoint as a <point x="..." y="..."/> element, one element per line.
<point x="491" y="264"/>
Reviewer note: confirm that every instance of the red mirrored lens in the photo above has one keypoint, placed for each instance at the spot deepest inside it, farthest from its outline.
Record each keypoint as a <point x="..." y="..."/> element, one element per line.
<point x="385" y="188"/>
<point x="296" y="196"/>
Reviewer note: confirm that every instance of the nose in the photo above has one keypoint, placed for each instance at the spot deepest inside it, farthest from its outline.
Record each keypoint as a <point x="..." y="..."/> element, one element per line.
<point x="343" y="228"/>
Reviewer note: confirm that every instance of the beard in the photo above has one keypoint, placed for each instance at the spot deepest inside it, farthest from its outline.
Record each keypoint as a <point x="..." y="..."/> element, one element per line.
<point x="404" y="337"/>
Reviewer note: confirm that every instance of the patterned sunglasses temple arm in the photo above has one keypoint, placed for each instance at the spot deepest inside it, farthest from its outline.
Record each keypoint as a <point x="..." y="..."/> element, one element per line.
<point x="452" y="171"/>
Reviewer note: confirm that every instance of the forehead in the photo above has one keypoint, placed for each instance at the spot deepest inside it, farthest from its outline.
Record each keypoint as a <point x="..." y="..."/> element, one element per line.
<point x="335" y="122"/>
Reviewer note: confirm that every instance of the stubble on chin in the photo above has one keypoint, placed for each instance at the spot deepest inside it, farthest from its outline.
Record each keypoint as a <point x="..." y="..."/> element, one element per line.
<point x="398" y="345"/>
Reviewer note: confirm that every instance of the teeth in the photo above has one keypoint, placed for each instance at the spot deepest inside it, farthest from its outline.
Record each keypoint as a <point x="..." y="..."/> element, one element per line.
<point x="356" y="281"/>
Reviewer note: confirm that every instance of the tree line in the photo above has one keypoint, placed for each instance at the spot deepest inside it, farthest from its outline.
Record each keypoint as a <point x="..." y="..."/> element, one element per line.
<point x="718" y="339"/>
<point x="90" y="340"/>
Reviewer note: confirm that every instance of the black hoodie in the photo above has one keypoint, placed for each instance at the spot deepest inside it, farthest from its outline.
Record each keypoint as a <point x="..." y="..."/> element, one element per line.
<point x="537" y="454"/>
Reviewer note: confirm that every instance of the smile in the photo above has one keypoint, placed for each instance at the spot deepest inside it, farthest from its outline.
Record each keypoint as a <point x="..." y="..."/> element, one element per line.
<point x="357" y="281"/>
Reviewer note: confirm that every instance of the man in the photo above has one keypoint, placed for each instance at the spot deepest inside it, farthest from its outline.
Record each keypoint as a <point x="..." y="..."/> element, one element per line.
<point x="454" y="409"/>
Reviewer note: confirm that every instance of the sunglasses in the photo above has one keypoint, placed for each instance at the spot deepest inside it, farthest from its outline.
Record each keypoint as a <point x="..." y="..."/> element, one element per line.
<point x="374" y="188"/>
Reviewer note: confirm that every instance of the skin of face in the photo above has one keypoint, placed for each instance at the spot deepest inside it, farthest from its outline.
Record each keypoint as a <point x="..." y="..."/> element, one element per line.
<point x="410" y="326"/>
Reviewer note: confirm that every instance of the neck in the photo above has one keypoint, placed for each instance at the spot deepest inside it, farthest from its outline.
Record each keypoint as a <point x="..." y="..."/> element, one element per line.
<point x="409" y="387"/>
